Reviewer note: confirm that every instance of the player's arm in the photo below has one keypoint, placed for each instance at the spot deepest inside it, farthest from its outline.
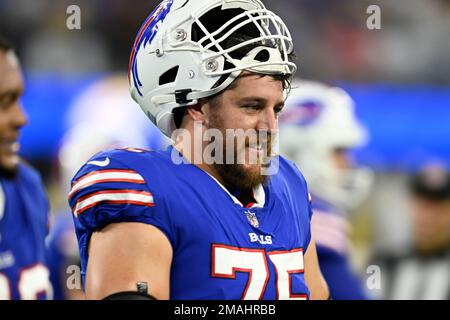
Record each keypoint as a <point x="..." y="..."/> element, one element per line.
<point x="125" y="233"/>
<point x="313" y="276"/>
<point x="122" y="254"/>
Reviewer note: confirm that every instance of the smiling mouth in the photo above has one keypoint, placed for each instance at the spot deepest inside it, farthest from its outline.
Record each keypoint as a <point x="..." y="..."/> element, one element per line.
<point x="10" y="146"/>
<point x="256" y="146"/>
<point x="256" y="152"/>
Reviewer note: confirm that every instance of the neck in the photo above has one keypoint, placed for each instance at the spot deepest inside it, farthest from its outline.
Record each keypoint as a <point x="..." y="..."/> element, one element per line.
<point x="246" y="198"/>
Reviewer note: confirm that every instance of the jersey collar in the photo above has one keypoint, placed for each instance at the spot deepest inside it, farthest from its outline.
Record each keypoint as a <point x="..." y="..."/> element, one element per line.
<point x="258" y="193"/>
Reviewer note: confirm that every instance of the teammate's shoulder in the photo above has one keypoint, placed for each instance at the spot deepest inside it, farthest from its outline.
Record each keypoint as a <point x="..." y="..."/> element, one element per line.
<point x="32" y="194"/>
<point x="290" y="170"/>
<point x="322" y="206"/>
<point x="29" y="174"/>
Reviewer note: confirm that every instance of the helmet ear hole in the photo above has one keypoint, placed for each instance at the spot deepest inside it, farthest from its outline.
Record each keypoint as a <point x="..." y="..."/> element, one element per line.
<point x="169" y="76"/>
<point x="262" y="56"/>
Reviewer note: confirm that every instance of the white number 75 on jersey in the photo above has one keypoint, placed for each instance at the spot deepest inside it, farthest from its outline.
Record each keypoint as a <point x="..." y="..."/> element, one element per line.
<point x="227" y="260"/>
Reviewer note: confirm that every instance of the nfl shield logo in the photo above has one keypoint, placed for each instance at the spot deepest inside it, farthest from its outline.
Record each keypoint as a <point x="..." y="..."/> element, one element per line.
<point x="251" y="217"/>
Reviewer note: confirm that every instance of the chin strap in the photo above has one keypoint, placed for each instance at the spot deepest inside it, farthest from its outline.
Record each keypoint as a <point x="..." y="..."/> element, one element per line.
<point x="188" y="97"/>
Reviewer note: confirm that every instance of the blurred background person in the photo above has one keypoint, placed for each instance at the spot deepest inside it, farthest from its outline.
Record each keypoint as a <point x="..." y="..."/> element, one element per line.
<point x="24" y="206"/>
<point x="318" y="130"/>
<point x="103" y="116"/>
<point x="423" y="271"/>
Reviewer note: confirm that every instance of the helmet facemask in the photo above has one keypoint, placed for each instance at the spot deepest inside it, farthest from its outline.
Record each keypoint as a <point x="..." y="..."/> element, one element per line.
<point x="255" y="40"/>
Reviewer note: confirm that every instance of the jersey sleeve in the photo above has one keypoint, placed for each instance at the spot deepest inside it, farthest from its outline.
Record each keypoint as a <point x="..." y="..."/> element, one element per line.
<point x="106" y="191"/>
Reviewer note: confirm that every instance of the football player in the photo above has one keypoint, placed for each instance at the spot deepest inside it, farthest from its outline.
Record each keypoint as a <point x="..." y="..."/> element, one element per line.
<point x="173" y="223"/>
<point x="23" y="202"/>
<point x="318" y="130"/>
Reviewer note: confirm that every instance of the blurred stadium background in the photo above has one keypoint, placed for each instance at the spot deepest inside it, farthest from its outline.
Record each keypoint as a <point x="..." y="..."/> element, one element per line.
<point x="399" y="77"/>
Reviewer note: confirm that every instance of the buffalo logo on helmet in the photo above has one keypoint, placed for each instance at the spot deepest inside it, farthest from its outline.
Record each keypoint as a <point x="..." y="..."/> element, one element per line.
<point x="302" y="113"/>
<point x="146" y="35"/>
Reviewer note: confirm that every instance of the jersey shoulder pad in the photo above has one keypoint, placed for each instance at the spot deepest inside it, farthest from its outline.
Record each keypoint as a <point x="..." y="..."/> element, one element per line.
<point x="108" y="177"/>
<point x="112" y="187"/>
<point x="292" y="179"/>
<point x="33" y="195"/>
<point x="324" y="206"/>
<point x="30" y="175"/>
<point x="290" y="171"/>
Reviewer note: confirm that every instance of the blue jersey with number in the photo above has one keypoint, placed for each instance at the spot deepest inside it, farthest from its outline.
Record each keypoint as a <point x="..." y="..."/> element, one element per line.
<point x="23" y="227"/>
<point x="221" y="249"/>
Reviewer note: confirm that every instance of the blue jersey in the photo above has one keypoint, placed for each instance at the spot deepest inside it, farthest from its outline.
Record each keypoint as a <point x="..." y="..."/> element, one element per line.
<point x="23" y="227"/>
<point x="221" y="249"/>
<point x="62" y="253"/>
<point x="331" y="234"/>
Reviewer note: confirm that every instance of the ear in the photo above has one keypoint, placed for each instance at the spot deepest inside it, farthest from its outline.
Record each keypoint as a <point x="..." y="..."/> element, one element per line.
<point x="199" y="112"/>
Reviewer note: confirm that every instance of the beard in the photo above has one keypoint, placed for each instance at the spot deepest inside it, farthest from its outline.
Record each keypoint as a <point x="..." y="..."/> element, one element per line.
<point x="237" y="175"/>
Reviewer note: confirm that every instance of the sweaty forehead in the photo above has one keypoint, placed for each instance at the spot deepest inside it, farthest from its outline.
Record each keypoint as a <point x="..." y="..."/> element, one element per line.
<point x="10" y="75"/>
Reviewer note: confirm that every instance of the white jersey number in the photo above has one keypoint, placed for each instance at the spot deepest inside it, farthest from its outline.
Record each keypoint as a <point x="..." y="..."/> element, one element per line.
<point x="32" y="281"/>
<point x="226" y="261"/>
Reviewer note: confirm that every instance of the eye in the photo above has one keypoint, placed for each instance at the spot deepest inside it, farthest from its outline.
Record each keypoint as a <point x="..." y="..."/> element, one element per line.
<point x="278" y="110"/>
<point x="8" y="99"/>
<point x="253" y="106"/>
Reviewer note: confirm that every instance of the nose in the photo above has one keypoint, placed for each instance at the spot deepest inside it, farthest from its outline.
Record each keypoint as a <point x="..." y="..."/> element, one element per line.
<point x="268" y="120"/>
<point x="18" y="118"/>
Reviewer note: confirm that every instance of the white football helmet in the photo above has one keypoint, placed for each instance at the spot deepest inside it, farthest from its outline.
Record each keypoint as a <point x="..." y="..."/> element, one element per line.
<point x="316" y="121"/>
<point x="187" y="50"/>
